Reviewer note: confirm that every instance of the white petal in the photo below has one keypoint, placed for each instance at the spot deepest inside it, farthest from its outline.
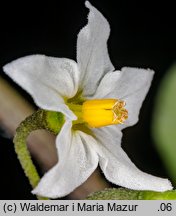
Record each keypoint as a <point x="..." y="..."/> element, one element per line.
<point x="92" y="53"/>
<point x="47" y="79"/>
<point x="77" y="161"/>
<point x="130" y="85"/>
<point x="119" y="169"/>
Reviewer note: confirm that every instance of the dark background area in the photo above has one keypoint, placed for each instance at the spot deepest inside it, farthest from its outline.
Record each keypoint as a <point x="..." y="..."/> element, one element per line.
<point x="143" y="34"/>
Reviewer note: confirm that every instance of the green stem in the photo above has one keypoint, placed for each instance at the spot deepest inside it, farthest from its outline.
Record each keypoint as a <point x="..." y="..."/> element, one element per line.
<point x="126" y="194"/>
<point x="153" y="195"/>
<point x="51" y="121"/>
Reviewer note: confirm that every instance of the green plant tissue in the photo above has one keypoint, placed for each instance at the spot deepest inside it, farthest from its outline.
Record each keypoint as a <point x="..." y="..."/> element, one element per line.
<point x="164" y="121"/>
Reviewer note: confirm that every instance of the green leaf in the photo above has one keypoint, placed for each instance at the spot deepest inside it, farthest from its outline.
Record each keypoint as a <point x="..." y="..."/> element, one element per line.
<point x="164" y="122"/>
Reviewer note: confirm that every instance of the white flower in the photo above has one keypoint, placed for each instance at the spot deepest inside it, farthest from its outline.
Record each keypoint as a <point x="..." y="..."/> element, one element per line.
<point x="58" y="84"/>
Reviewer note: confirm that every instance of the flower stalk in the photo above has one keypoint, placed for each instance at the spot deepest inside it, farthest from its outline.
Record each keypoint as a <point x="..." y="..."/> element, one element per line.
<point x="41" y="119"/>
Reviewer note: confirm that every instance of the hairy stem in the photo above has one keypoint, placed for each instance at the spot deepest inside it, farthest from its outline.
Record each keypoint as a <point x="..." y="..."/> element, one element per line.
<point x="38" y="120"/>
<point x="126" y="194"/>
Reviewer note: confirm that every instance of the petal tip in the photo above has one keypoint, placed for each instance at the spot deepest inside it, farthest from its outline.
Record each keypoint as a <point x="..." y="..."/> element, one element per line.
<point x="166" y="185"/>
<point x="7" y="68"/>
<point x="88" y="4"/>
<point x="39" y="192"/>
<point x="34" y="191"/>
<point x="139" y="69"/>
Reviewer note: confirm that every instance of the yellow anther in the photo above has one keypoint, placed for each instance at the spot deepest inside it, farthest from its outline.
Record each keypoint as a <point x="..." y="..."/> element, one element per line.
<point x="104" y="112"/>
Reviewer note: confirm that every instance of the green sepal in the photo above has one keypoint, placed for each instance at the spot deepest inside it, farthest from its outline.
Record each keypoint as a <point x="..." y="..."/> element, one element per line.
<point x="54" y="121"/>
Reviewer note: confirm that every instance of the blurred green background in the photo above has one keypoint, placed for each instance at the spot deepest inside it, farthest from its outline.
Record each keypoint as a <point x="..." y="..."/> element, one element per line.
<point x="164" y="122"/>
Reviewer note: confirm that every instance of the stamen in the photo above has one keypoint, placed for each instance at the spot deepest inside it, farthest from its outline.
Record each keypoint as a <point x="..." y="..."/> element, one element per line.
<point x="104" y="112"/>
<point x="100" y="112"/>
<point x="120" y="113"/>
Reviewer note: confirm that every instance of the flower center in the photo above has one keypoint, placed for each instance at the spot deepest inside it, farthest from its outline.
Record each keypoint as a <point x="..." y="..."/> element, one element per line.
<point x="100" y="112"/>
